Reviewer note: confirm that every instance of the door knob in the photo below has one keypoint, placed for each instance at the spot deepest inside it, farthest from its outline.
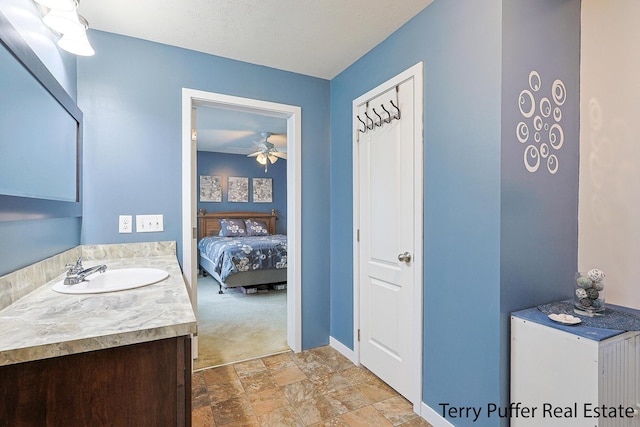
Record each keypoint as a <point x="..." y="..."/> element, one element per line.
<point x="405" y="257"/>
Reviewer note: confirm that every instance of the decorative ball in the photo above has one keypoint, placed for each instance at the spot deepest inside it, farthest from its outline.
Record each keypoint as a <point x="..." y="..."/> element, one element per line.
<point x="596" y="275"/>
<point x="598" y="286"/>
<point x="584" y="282"/>
<point x="586" y="302"/>
<point x="581" y="293"/>
<point x="597" y="303"/>
<point x="592" y="293"/>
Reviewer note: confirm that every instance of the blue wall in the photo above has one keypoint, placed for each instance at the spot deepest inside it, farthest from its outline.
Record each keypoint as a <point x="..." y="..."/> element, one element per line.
<point x="226" y="165"/>
<point x="539" y="210"/>
<point x="37" y="229"/>
<point x="459" y="43"/>
<point x="131" y="95"/>
<point x="473" y="219"/>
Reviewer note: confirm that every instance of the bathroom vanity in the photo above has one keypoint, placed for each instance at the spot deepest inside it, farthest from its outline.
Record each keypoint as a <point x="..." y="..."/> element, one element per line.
<point x="118" y="358"/>
<point x="146" y="384"/>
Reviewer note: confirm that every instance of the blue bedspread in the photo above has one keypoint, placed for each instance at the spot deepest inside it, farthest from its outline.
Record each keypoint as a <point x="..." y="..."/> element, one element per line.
<point x="231" y="255"/>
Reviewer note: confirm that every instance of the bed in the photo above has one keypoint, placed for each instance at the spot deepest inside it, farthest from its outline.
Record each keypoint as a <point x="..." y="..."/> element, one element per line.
<point x="239" y="260"/>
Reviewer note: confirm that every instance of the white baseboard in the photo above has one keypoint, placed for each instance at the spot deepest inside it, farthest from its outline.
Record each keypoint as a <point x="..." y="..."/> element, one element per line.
<point x="433" y="417"/>
<point x="344" y="350"/>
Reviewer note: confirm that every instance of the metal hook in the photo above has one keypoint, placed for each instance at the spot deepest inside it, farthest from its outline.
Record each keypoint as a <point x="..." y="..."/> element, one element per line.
<point x="388" y="113"/>
<point x="380" y="121"/>
<point x="397" y="116"/>
<point x="365" y="125"/>
<point x="372" y="124"/>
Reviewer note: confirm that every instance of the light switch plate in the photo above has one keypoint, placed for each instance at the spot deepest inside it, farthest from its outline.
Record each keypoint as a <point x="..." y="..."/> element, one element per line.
<point x="125" y="224"/>
<point x="149" y="223"/>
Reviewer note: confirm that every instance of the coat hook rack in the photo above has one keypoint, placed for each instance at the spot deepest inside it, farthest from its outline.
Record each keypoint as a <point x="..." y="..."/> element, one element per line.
<point x="371" y="124"/>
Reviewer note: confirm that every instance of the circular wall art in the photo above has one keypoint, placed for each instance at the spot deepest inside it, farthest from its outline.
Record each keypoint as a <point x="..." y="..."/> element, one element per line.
<point x="541" y="113"/>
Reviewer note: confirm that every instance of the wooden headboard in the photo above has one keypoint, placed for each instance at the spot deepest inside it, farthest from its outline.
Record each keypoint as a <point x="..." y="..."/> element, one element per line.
<point x="209" y="225"/>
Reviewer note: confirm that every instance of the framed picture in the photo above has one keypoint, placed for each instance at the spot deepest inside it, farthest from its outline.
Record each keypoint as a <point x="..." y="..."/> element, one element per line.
<point x="210" y="188"/>
<point x="238" y="190"/>
<point x="262" y="190"/>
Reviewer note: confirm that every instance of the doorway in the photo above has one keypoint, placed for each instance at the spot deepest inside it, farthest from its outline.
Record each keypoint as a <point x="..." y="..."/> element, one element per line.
<point x="191" y="99"/>
<point x="388" y="205"/>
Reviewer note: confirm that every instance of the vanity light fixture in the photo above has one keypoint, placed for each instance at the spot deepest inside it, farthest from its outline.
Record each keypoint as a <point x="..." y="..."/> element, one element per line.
<point x="61" y="5"/>
<point x="69" y="24"/>
<point x="64" y="22"/>
<point x="78" y="45"/>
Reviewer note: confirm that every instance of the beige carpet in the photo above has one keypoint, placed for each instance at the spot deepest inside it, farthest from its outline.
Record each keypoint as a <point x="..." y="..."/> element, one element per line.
<point x="234" y="326"/>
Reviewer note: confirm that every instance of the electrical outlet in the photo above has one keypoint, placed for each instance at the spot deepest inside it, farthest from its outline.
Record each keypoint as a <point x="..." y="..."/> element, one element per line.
<point x="125" y="224"/>
<point x="149" y="223"/>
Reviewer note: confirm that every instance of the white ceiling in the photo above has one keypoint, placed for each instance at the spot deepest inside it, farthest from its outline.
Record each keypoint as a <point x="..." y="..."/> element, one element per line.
<point x="236" y="132"/>
<point x="318" y="38"/>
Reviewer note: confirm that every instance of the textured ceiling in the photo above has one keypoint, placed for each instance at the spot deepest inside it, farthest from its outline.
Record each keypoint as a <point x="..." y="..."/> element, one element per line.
<point x="318" y="38"/>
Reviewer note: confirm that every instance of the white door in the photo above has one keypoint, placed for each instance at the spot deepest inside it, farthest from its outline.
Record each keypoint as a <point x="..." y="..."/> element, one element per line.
<point x="390" y="223"/>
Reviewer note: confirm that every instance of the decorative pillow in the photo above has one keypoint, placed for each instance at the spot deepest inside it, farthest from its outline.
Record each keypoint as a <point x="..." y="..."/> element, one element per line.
<point x="256" y="228"/>
<point x="232" y="228"/>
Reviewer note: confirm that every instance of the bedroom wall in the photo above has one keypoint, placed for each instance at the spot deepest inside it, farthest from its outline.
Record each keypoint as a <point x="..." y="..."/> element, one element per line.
<point x="226" y="165"/>
<point x="24" y="242"/>
<point x="131" y="92"/>
<point x="609" y="232"/>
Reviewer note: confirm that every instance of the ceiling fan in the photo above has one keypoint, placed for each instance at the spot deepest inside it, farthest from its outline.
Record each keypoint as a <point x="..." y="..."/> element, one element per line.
<point x="267" y="152"/>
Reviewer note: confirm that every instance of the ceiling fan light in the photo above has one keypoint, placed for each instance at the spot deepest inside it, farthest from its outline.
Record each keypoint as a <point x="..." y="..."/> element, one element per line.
<point x="272" y="158"/>
<point x="262" y="159"/>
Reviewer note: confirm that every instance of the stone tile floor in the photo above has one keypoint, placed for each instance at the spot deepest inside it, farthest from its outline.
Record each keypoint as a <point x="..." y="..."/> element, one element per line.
<point x="317" y="387"/>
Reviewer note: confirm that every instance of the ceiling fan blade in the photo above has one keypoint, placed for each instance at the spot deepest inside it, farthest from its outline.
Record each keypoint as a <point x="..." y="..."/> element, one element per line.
<point x="279" y="154"/>
<point x="254" y="154"/>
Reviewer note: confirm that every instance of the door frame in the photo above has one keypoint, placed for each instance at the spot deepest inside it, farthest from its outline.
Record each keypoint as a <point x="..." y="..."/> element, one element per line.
<point x="192" y="98"/>
<point x="416" y="73"/>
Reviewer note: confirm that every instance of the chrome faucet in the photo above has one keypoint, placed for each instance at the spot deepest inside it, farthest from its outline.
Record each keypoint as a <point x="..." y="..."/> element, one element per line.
<point x="76" y="273"/>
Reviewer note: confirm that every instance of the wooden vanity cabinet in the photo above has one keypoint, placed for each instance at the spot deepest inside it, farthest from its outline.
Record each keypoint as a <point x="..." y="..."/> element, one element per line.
<point x="138" y="385"/>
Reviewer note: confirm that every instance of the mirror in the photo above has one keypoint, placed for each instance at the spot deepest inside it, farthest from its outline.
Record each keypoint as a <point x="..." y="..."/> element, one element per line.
<point x="31" y="118"/>
<point x="40" y="136"/>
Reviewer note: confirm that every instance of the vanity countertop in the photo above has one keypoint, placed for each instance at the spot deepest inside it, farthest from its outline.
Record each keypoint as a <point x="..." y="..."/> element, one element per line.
<point x="46" y="324"/>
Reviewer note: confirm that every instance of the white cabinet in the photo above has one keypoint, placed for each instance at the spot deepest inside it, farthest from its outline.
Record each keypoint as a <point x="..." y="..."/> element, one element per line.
<point x="573" y="375"/>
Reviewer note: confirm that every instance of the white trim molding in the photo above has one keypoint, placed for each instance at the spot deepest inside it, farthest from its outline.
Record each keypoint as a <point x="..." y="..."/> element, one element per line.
<point x="344" y="350"/>
<point x="433" y="417"/>
<point x="293" y="114"/>
<point x="416" y="74"/>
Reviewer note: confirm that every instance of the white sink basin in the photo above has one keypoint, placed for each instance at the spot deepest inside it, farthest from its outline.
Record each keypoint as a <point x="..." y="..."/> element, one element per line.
<point x="113" y="281"/>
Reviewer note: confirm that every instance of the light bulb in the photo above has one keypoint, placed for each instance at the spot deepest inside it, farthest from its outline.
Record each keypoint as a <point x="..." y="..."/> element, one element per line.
<point x="262" y="159"/>
<point x="76" y="45"/>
